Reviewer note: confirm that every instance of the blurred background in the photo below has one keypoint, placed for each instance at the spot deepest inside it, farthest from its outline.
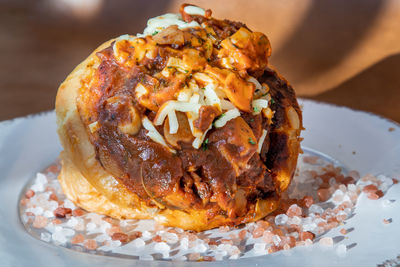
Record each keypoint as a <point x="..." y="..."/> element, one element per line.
<point x="345" y="52"/>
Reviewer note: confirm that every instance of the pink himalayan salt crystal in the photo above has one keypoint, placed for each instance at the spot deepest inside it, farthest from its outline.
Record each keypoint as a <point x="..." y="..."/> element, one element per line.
<point x="387" y="221"/>
<point x="267" y="237"/>
<point x="24" y="202"/>
<point x="223" y="229"/>
<point x="79" y="238"/>
<point x="233" y="236"/>
<point x="326" y="241"/>
<point x="308" y="242"/>
<point x="323" y="194"/>
<point x="370" y="188"/>
<point x="294" y="210"/>
<point x="113" y="229"/>
<point x="208" y="258"/>
<point x="343" y="231"/>
<point x="192" y="237"/>
<point x="375" y="195"/>
<point x="263" y="224"/>
<point x="242" y="234"/>
<point x="226" y="241"/>
<point x="343" y="188"/>
<point x="258" y="232"/>
<point x="30" y="193"/>
<point x="341" y="217"/>
<point x="306" y="235"/>
<point x="193" y="256"/>
<point x="307" y="201"/>
<point x="90" y="244"/>
<point x="40" y="222"/>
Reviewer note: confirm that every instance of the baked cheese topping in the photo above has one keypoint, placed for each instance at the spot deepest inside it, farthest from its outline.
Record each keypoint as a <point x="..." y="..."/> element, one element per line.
<point x="212" y="72"/>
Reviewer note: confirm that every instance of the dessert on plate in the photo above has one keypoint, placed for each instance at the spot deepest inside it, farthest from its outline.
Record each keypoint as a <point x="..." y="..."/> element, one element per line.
<point x="186" y="124"/>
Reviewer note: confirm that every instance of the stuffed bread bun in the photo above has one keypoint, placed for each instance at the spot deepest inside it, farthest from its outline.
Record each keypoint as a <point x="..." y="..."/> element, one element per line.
<point x="186" y="124"/>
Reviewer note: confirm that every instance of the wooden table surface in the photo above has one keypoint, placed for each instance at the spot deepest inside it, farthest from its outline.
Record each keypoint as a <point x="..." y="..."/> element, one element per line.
<point x="339" y="51"/>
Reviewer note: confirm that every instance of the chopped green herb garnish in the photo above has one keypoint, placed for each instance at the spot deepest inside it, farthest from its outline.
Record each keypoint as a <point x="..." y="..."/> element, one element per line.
<point x="203" y="88"/>
<point x="204" y="146"/>
<point x="255" y="109"/>
<point x="170" y="67"/>
<point x="154" y="33"/>
<point x="251" y="141"/>
<point x="272" y="101"/>
<point x="252" y="120"/>
<point x="264" y="94"/>
<point x="186" y="71"/>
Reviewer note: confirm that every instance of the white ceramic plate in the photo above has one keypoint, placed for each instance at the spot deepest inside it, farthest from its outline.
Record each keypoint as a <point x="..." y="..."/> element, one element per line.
<point x="359" y="140"/>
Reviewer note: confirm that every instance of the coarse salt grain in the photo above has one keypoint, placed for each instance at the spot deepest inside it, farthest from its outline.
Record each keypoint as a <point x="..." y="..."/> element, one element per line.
<point x="315" y="209"/>
<point x="138" y="243"/>
<point x="276" y="240"/>
<point x="78" y="212"/>
<point x="184" y="243"/>
<point x="146" y="234"/>
<point x="48" y="214"/>
<point x="296" y="220"/>
<point x="387" y="221"/>
<point x="68" y="204"/>
<point x="258" y="232"/>
<point x="326" y="241"/>
<point x="123" y="238"/>
<point x="91" y="226"/>
<point x="201" y="248"/>
<point x="59" y="237"/>
<point x="281" y="219"/>
<point x="170" y="238"/>
<point x="294" y="210"/>
<point x="308" y="242"/>
<point x="30" y="193"/>
<point x="90" y="244"/>
<point x="102" y="238"/>
<point x="72" y="222"/>
<point x="39" y="222"/>
<point x="259" y="248"/>
<point x="79" y="238"/>
<point x="162" y="246"/>
<point x="46" y="237"/>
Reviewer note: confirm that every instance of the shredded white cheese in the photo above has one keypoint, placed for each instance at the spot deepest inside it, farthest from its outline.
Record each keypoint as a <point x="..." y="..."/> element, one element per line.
<point x="159" y="23"/>
<point x="259" y="105"/>
<point x="194" y="10"/>
<point x="226" y="105"/>
<point x="173" y="122"/>
<point x="199" y="140"/>
<point x="174" y="105"/>
<point x="211" y="97"/>
<point x="225" y="117"/>
<point x="255" y="82"/>
<point x="261" y="141"/>
<point x="154" y="134"/>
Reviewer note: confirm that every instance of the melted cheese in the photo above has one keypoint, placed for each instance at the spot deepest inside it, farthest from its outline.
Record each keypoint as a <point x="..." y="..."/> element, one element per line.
<point x="156" y="24"/>
<point x="194" y="10"/>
